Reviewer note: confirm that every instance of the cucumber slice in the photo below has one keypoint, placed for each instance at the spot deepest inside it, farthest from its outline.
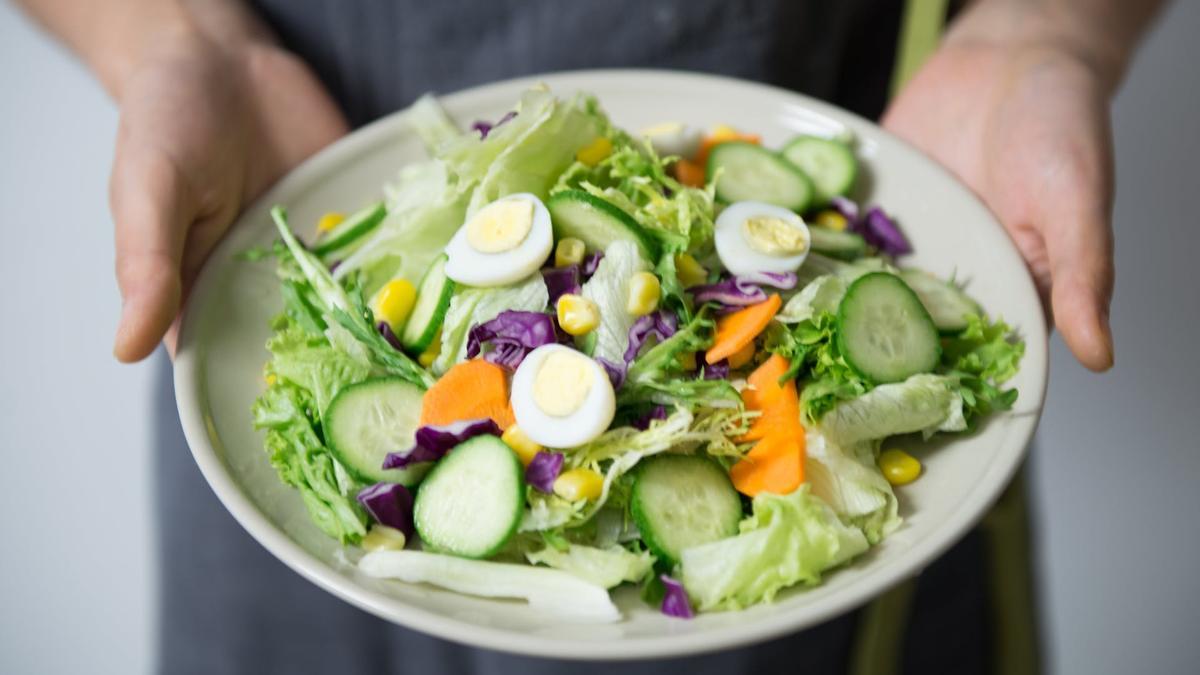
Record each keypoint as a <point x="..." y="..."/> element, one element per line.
<point x="884" y="332"/>
<point x="596" y="222"/>
<point x="471" y="503"/>
<point x="829" y="164"/>
<point x="947" y="304"/>
<point x="368" y="420"/>
<point x="351" y="230"/>
<point x="680" y="501"/>
<point x="433" y="299"/>
<point x="841" y="245"/>
<point x="751" y="172"/>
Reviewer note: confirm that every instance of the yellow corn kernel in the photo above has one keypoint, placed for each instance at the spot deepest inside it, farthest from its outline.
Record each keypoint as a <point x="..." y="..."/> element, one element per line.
<point x="832" y="220"/>
<point x="899" y="467"/>
<point x="724" y="132"/>
<point x="644" y="293"/>
<point x="595" y="152"/>
<point x="395" y="302"/>
<point x="569" y="251"/>
<point x="579" y="484"/>
<point x="689" y="271"/>
<point x="383" y="538"/>
<point x="687" y="360"/>
<point x="525" y="447"/>
<point x="742" y="356"/>
<point x="330" y="221"/>
<point x="431" y="353"/>
<point x="576" y="314"/>
<point x="271" y="380"/>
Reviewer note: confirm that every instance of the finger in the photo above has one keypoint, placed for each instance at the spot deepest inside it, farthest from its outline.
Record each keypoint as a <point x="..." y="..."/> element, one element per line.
<point x="1079" y="248"/>
<point x="147" y="199"/>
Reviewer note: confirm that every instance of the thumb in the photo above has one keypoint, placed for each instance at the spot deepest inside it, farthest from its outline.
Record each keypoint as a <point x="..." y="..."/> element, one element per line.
<point x="146" y="193"/>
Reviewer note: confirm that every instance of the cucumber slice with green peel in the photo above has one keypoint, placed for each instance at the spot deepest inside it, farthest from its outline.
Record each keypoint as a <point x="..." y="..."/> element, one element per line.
<point x="366" y="421"/>
<point x="829" y="164"/>
<point x="837" y="244"/>
<point x="351" y="230"/>
<point x="596" y="222"/>
<point x="680" y="501"/>
<point x="751" y="172"/>
<point x="472" y="501"/>
<point x="884" y="332"/>
<point x="947" y="304"/>
<point x="433" y="300"/>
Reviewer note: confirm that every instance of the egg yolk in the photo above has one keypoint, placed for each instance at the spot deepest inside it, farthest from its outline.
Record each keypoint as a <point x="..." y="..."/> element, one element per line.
<point x="562" y="383"/>
<point x="500" y="226"/>
<point x="773" y="236"/>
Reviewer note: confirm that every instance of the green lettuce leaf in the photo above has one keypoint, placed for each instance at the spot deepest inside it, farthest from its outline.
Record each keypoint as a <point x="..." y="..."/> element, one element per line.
<point x="302" y="461"/>
<point x="471" y="306"/>
<point x="789" y="539"/>
<point x="609" y="289"/>
<point x="923" y="403"/>
<point x="849" y="480"/>
<point x="658" y="377"/>
<point x="981" y="358"/>
<point x="312" y="363"/>
<point x="605" y="567"/>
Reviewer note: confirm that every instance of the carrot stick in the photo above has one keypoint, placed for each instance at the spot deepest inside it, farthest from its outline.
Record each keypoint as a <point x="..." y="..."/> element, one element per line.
<point x="775" y="464"/>
<point x="470" y="390"/>
<point x="739" y="329"/>
<point x="690" y="173"/>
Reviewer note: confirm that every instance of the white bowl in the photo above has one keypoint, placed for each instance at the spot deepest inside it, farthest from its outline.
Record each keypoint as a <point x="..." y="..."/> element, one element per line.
<point x="219" y="364"/>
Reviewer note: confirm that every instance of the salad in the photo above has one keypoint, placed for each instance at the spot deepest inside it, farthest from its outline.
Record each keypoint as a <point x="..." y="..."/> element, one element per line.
<point x="559" y="357"/>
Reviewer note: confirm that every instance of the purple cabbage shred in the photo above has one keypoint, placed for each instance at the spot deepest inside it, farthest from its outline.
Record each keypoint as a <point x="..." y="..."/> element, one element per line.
<point x="658" y="412"/>
<point x="386" y="331"/>
<point x="389" y="504"/>
<point x="717" y="371"/>
<point x="484" y="128"/>
<point x="744" y="289"/>
<point x="511" y="335"/>
<point x="660" y="325"/>
<point x="875" y="226"/>
<point x="562" y="280"/>
<point x="542" y="471"/>
<point x="591" y="262"/>
<point x="616" y="371"/>
<point x="431" y="443"/>
<point x="675" y="601"/>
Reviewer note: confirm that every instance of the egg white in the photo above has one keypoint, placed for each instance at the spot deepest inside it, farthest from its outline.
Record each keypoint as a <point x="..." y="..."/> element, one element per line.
<point x="738" y="256"/>
<point x="466" y="265"/>
<point x="588" y="421"/>
<point x="673" y="138"/>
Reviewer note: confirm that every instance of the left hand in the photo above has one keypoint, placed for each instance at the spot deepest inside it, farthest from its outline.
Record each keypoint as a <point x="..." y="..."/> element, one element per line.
<point x="1026" y="126"/>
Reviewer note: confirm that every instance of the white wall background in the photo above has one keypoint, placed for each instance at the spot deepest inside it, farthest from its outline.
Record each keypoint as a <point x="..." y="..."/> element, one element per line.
<point x="1115" y="476"/>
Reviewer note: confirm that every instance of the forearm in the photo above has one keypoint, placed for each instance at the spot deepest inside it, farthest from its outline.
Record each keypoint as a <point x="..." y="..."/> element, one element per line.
<point x="112" y="37"/>
<point x="1103" y="33"/>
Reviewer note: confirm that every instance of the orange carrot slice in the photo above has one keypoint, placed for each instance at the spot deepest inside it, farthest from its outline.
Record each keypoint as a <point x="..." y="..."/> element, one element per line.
<point x="709" y="142"/>
<point x="735" y="331"/>
<point x="764" y="382"/>
<point x="780" y="416"/>
<point x="775" y="464"/>
<point x="470" y="390"/>
<point x="689" y="173"/>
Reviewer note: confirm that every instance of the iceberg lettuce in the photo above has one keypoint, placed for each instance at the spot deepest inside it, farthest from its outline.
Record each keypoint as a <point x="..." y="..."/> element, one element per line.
<point x="789" y="539"/>
<point x="922" y="403"/>
<point x="605" y="567"/>
<point x="609" y="289"/>
<point x="471" y="306"/>
<point x="848" y="479"/>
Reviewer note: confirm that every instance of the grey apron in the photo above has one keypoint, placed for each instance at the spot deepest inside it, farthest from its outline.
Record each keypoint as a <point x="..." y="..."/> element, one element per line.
<point x="227" y="606"/>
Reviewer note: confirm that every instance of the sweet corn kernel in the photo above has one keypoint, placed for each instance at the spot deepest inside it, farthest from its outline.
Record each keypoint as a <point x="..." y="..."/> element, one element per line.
<point x="525" y="447"/>
<point x="569" y="251"/>
<point x="330" y="221"/>
<point x="687" y="360"/>
<point x="742" y="356"/>
<point x="689" y="271"/>
<point x="577" y="315"/>
<point x="899" y="467"/>
<point x="644" y="293"/>
<point x="383" y="538"/>
<point x="832" y="220"/>
<point x="724" y="132"/>
<point x="271" y="380"/>
<point x="431" y="353"/>
<point x="395" y="302"/>
<point x="595" y="152"/>
<point x="579" y="484"/>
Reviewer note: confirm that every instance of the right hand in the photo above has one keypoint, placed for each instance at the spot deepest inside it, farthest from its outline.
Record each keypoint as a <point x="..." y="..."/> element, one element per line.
<point x="204" y="129"/>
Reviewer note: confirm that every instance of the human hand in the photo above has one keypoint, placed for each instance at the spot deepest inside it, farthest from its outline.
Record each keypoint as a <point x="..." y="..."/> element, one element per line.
<point x="1025" y="124"/>
<point x="204" y="128"/>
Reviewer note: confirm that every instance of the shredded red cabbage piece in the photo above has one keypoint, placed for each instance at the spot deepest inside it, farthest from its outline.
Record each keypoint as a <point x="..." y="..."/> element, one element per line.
<point x="484" y="128"/>
<point x="616" y="371"/>
<point x="386" y="331"/>
<point x="717" y="371"/>
<point x="658" y="412"/>
<point x="432" y="442"/>
<point x="542" y="471"/>
<point x="389" y="504"/>
<point x="511" y="335"/>
<point x="661" y="325"/>
<point x="591" y="262"/>
<point x="875" y="226"/>
<point x="562" y="280"/>
<point x="675" y="601"/>
<point x="744" y="289"/>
